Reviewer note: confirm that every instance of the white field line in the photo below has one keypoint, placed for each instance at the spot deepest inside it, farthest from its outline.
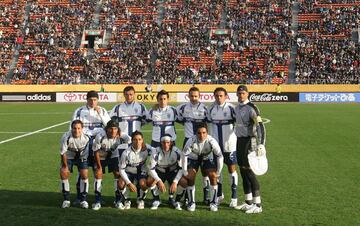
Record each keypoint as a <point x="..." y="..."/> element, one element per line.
<point x="34" y="132"/>
<point x="265" y="120"/>
<point x="35" y="113"/>
<point x="58" y="132"/>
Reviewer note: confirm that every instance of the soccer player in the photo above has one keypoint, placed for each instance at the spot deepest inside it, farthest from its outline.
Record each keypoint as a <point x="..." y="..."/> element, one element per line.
<point x="250" y="132"/>
<point x="164" y="166"/>
<point x="106" y="153"/>
<point x="202" y="151"/>
<point x="132" y="167"/>
<point x="222" y="119"/>
<point x="94" y="119"/>
<point x="131" y="115"/>
<point x="92" y="115"/>
<point x="190" y="115"/>
<point x="74" y="150"/>
<point x="163" y="118"/>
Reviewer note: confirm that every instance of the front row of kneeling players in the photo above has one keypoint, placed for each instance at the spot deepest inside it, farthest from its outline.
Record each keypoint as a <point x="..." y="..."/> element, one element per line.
<point x="139" y="162"/>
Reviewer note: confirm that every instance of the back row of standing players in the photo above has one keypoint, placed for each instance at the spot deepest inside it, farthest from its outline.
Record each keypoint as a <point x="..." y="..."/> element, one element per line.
<point x="221" y="133"/>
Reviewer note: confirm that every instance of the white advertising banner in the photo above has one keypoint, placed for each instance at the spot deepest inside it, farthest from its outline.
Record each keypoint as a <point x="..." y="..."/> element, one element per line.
<point x="205" y="97"/>
<point x="75" y="97"/>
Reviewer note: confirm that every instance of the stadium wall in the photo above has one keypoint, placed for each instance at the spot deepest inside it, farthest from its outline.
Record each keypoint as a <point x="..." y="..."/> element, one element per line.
<point x="179" y="88"/>
<point x="178" y="93"/>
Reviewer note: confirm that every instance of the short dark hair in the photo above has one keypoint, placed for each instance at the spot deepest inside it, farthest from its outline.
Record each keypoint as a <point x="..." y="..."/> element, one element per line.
<point x="128" y="88"/>
<point x="112" y="123"/>
<point x="194" y="89"/>
<point x="220" y="89"/>
<point x="92" y="93"/>
<point x="161" y="93"/>
<point x="201" y="125"/>
<point x="136" y="133"/>
<point x="77" y="121"/>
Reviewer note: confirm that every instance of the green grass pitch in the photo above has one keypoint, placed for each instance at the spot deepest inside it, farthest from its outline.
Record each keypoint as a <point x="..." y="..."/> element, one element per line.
<point x="313" y="177"/>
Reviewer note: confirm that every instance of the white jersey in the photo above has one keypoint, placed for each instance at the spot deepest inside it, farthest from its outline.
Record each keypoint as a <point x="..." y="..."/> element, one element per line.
<point x="75" y="147"/>
<point x="131" y="160"/>
<point x="164" y="162"/>
<point x="190" y="115"/>
<point x="163" y="121"/>
<point x="162" y="159"/>
<point x="93" y="121"/>
<point x="221" y="125"/>
<point x="106" y="145"/>
<point x="194" y="149"/>
<point x="130" y="116"/>
<point x="209" y="149"/>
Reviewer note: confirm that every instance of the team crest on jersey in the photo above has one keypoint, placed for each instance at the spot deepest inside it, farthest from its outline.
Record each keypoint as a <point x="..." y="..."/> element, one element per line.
<point x="136" y="110"/>
<point x="225" y="114"/>
<point x="168" y="115"/>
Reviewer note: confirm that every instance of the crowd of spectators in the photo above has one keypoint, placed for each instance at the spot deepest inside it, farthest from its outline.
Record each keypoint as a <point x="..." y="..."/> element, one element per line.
<point x="264" y="24"/>
<point x="327" y="54"/>
<point x="54" y="30"/>
<point x="328" y="61"/>
<point x="171" y="42"/>
<point x="11" y="13"/>
<point x="330" y="20"/>
<point x="134" y="29"/>
<point x="185" y="33"/>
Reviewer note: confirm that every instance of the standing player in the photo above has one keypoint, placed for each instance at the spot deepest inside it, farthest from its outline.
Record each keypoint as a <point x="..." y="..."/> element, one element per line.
<point x="222" y="119"/>
<point x="190" y="115"/>
<point x="163" y="118"/>
<point x="202" y="151"/>
<point x="131" y="115"/>
<point x="250" y="132"/>
<point x="106" y="153"/>
<point x="74" y="151"/>
<point x="132" y="167"/>
<point x="164" y="166"/>
<point x="92" y="115"/>
<point x="94" y="119"/>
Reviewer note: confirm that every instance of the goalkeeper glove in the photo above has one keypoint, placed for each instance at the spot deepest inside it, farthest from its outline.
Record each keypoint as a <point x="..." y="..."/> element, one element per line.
<point x="261" y="150"/>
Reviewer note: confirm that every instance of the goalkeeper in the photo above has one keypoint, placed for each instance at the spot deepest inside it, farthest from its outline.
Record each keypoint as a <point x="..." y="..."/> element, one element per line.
<point x="250" y="132"/>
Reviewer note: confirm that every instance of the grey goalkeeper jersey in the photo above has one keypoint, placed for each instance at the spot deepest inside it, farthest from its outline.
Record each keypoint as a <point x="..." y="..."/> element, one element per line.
<point x="249" y="122"/>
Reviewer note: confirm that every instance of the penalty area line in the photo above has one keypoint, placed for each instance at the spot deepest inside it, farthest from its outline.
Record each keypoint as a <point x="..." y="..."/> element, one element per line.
<point x="34" y="132"/>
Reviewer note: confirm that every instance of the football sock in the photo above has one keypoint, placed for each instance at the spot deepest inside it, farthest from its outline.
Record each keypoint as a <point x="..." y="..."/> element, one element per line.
<point x="206" y="187"/>
<point x="233" y="183"/>
<point x="213" y="193"/>
<point x="65" y="188"/>
<point x="97" y="187"/>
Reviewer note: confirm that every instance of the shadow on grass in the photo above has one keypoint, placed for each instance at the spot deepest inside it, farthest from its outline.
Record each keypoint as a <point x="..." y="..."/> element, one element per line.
<point x="43" y="208"/>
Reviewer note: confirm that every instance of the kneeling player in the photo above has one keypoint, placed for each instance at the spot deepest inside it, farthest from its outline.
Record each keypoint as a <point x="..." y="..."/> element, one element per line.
<point x="74" y="151"/>
<point x="132" y="167"/>
<point x="204" y="151"/>
<point x="164" y="166"/>
<point x="106" y="153"/>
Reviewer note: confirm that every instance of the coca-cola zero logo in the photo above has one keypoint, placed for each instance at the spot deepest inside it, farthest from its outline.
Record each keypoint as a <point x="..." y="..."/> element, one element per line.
<point x="268" y="97"/>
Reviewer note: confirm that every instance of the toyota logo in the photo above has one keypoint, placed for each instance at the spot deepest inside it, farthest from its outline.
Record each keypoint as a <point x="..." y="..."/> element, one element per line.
<point x="70" y="97"/>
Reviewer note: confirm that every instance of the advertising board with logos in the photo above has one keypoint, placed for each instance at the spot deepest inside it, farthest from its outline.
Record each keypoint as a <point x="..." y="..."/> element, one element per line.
<point x="28" y="97"/>
<point x="77" y="97"/>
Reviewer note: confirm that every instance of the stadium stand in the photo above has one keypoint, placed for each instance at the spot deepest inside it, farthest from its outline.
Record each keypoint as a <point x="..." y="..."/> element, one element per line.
<point x="11" y="15"/>
<point x="235" y="41"/>
<point x="326" y="51"/>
